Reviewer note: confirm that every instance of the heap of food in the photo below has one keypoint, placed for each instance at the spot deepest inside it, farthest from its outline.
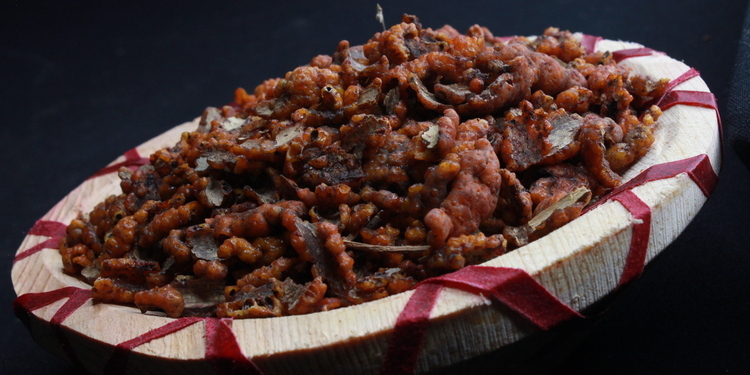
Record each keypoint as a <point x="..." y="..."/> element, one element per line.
<point x="357" y="176"/>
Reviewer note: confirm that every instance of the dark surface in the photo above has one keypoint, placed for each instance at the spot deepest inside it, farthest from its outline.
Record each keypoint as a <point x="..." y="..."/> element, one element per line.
<point x="738" y="110"/>
<point x="81" y="84"/>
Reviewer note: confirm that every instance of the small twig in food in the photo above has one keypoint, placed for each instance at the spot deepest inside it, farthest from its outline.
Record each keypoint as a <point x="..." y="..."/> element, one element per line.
<point x="379" y="16"/>
<point x="385" y="248"/>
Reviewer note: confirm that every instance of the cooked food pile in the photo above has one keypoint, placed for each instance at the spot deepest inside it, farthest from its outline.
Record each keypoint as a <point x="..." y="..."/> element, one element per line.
<point x="354" y="177"/>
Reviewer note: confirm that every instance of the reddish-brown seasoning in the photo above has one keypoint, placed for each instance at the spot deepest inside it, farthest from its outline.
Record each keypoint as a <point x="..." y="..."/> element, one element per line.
<point x="354" y="177"/>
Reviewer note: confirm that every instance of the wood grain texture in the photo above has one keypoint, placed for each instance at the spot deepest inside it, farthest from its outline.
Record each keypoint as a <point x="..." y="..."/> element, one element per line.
<point x="578" y="263"/>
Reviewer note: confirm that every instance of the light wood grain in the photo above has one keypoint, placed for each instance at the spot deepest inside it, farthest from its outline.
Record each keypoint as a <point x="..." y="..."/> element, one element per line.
<point x="579" y="263"/>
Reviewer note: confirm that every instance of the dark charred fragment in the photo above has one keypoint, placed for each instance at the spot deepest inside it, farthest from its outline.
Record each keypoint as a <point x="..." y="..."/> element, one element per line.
<point x="359" y="138"/>
<point x="427" y="98"/>
<point x="217" y="160"/>
<point x="145" y="182"/>
<point x="332" y="166"/>
<point x="514" y="204"/>
<point x="200" y="238"/>
<point x="324" y="265"/>
<point x="455" y="93"/>
<point x="131" y="271"/>
<point x="391" y="101"/>
<point x="200" y="295"/>
<point x="257" y="302"/>
<point x="421" y="45"/>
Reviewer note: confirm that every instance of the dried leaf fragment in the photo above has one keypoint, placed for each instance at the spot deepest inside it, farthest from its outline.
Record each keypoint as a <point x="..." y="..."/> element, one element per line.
<point x="431" y="135"/>
<point x="520" y="235"/>
<point x="233" y="123"/>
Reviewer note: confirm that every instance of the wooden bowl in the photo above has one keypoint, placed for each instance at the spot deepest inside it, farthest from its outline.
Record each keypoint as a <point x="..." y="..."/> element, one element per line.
<point x="443" y="321"/>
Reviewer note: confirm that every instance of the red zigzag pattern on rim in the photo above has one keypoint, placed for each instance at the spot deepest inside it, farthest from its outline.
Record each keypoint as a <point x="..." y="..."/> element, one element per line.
<point x="53" y="229"/>
<point x="25" y="304"/>
<point x="504" y="285"/>
<point x="222" y="350"/>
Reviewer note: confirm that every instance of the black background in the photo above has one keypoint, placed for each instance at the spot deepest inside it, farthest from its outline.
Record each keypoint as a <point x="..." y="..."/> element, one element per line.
<point x="82" y="83"/>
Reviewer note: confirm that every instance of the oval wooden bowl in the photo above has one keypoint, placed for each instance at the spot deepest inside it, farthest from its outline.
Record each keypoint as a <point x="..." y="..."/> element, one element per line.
<point x="577" y="265"/>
